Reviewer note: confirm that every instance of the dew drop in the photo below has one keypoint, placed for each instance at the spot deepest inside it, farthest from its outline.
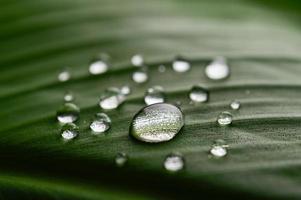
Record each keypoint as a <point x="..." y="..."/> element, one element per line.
<point x="137" y="60"/>
<point x="69" y="131"/>
<point x="68" y="113"/>
<point x="219" y="148"/>
<point x="174" y="163"/>
<point x="111" y="98"/>
<point x="64" y="76"/>
<point x="198" y="94"/>
<point x="154" y="95"/>
<point x="235" y="105"/>
<point x="217" y="69"/>
<point x="68" y="97"/>
<point x="101" y="123"/>
<point x="121" y="159"/>
<point x="161" y="68"/>
<point x="125" y="90"/>
<point x="224" y="118"/>
<point x="140" y="76"/>
<point x="157" y="123"/>
<point x="180" y="65"/>
<point x="98" y="67"/>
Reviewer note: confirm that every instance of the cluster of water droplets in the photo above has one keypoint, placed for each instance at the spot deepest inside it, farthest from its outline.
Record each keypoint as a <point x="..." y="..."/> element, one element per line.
<point x="158" y="121"/>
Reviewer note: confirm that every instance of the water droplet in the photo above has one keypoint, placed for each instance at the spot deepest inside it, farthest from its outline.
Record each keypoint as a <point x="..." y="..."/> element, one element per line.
<point x="198" y="94"/>
<point x="69" y="131"/>
<point x="68" y="113"/>
<point x="64" y="76"/>
<point x="101" y="123"/>
<point x="219" y="148"/>
<point x="224" y="118"/>
<point x="154" y="95"/>
<point x="235" y="105"/>
<point x="217" y="69"/>
<point x="125" y="90"/>
<point x="157" y="123"/>
<point x="68" y="96"/>
<point x="121" y="159"/>
<point x="111" y="98"/>
<point x="161" y="68"/>
<point x="180" y="65"/>
<point x="174" y="163"/>
<point x="98" y="67"/>
<point x="137" y="60"/>
<point x="140" y="76"/>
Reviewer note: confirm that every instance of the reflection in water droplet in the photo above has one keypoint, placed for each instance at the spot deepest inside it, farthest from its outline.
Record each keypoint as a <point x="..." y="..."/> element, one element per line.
<point x="68" y="96"/>
<point x="157" y="123"/>
<point x="140" y="76"/>
<point x="180" y="65"/>
<point x="218" y="148"/>
<point x="154" y="95"/>
<point x="98" y="67"/>
<point x="174" y="163"/>
<point x="224" y="118"/>
<point x="111" y="98"/>
<point x="69" y="131"/>
<point x="198" y="94"/>
<point x="64" y="76"/>
<point x="125" y="90"/>
<point x="137" y="60"/>
<point x="235" y="105"/>
<point x="68" y="113"/>
<point x="121" y="159"/>
<point x="217" y="69"/>
<point x="161" y="68"/>
<point x="101" y="123"/>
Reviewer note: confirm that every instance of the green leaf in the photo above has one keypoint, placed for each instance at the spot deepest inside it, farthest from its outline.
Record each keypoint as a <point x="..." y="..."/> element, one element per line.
<point x="261" y="40"/>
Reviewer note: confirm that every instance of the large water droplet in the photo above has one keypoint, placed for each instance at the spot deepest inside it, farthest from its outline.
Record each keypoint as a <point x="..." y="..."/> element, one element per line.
<point x="154" y="95"/>
<point x="68" y="113"/>
<point x="157" y="123"/>
<point x="181" y="65"/>
<point x="174" y="163"/>
<point x="64" y="76"/>
<point x="235" y="105"/>
<point x="224" y="118"/>
<point x="111" y="98"/>
<point x="101" y="123"/>
<point x="69" y="131"/>
<point x="217" y="69"/>
<point x="68" y="96"/>
<point x="98" y="67"/>
<point x="121" y="159"/>
<point x="137" y="60"/>
<point x="140" y="76"/>
<point x="198" y="94"/>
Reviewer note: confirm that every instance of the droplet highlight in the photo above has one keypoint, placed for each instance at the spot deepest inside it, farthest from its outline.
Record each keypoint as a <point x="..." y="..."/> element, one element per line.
<point x="174" y="163"/>
<point x="101" y="123"/>
<point x="181" y="65"/>
<point x="157" y="123"/>
<point x="154" y="95"/>
<point x="224" y="118"/>
<point x="125" y="90"/>
<point x="218" y="69"/>
<point x="121" y="159"/>
<point x="69" y="131"/>
<point x="137" y="60"/>
<point x="98" y="67"/>
<point x="235" y="105"/>
<point x="198" y="94"/>
<point x="64" y="76"/>
<point x="111" y="98"/>
<point x="68" y="113"/>
<point x="140" y="76"/>
<point x="68" y="97"/>
<point x="219" y="148"/>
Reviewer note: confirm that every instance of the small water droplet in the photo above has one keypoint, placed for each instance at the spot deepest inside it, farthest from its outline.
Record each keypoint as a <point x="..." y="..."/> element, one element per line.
<point x="137" y="60"/>
<point x="217" y="69"/>
<point x="98" y="67"/>
<point x="125" y="90"/>
<point x="154" y="95"/>
<point x="219" y="148"/>
<point x="68" y="113"/>
<point x="161" y="68"/>
<point x="121" y="159"/>
<point x="224" y="118"/>
<point x="181" y="65"/>
<point x="198" y="94"/>
<point x="68" y="96"/>
<point x="235" y="105"/>
<point x="140" y="76"/>
<point x="64" y="76"/>
<point x="111" y="98"/>
<point x="101" y="123"/>
<point x="174" y="163"/>
<point x="69" y="131"/>
<point x="157" y="123"/>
